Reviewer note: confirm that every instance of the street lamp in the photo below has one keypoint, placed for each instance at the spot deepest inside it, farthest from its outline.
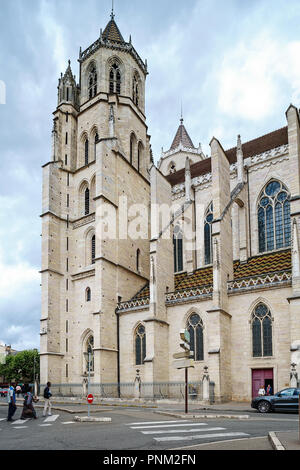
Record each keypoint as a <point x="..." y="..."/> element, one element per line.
<point x="87" y="356"/>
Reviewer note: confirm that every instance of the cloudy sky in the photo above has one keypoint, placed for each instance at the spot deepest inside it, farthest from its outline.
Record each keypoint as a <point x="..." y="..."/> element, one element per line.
<point x="234" y="64"/>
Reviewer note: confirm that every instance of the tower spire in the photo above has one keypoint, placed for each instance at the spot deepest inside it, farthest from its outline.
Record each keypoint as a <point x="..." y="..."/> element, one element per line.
<point x="112" y="10"/>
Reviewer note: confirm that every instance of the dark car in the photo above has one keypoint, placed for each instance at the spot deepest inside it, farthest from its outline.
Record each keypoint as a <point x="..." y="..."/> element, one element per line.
<point x="285" y="400"/>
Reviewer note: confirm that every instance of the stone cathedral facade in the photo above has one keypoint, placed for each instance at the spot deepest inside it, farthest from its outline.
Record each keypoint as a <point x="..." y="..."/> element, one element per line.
<point x="220" y="257"/>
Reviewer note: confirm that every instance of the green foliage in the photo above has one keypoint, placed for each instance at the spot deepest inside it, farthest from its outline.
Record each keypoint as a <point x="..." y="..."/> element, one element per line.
<point x="21" y="367"/>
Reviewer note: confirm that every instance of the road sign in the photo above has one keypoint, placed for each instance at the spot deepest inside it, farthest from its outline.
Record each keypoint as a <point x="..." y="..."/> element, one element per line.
<point x="183" y="363"/>
<point x="183" y="354"/>
<point x="185" y="336"/>
<point x="90" y="398"/>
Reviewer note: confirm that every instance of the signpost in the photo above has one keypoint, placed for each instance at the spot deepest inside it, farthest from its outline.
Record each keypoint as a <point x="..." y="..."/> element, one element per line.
<point x="183" y="360"/>
<point x="90" y="398"/>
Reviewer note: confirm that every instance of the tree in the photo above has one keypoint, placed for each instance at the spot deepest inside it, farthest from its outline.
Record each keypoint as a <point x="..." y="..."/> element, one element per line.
<point x="22" y="366"/>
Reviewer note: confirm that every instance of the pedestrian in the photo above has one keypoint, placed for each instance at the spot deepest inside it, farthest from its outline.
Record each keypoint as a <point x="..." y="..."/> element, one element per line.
<point x="269" y="390"/>
<point x="47" y="397"/>
<point x="261" y="391"/>
<point x="23" y="390"/>
<point x="28" y="409"/>
<point x="18" y="390"/>
<point x="11" y="398"/>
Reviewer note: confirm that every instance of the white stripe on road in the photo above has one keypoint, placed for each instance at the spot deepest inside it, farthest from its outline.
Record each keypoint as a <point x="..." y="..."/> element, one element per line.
<point x="200" y="436"/>
<point x="159" y="422"/>
<point x="168" y="425"/>
<point x="182" y="430"/>
<point x="20" y="427"/>
<point x="45" y="424"/>
<point x="2" y="419"/>
<point x="68" y="422"/>
<point x="20" y="421"/>
<point x="50" y="419"/>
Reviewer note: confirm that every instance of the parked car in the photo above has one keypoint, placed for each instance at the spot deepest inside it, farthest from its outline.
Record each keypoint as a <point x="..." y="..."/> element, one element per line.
<point x="3" y="392"/>
<point x="285" y="400"/>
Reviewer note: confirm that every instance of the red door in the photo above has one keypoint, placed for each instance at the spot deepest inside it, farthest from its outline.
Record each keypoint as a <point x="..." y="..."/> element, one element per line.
<point x="261" y="377"/>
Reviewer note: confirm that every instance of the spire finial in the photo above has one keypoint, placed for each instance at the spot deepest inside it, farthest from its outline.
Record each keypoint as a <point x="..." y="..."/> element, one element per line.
<point x="181" y="115"/>
<point x="112" y="10"/>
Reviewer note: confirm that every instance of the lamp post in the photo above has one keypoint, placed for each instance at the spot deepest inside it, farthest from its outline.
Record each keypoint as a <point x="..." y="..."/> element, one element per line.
<point x="88" y="358"/>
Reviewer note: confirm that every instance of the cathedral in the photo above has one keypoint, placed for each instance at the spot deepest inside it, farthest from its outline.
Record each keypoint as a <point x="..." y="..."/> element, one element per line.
<point x="134" y="252"/>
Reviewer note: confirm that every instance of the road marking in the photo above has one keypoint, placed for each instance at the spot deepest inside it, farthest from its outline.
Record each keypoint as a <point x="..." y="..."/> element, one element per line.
<point x="45" y="424"/>
<point x="159" y="422"/>
<point x="183" y="430"/>
<point x="20" y="427"/>
<point x="68" y="422"/>
<point x="199" y="436"/>
<point x="169" y="425"/>
<point x="50" y="419"/>
<point x="20" y="421"/>
<point x="2" y="419"/>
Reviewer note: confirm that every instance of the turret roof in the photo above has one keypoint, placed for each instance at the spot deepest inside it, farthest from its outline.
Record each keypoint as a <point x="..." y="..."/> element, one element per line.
<point x="112" y="32"/>
<point x="182" y="137"/>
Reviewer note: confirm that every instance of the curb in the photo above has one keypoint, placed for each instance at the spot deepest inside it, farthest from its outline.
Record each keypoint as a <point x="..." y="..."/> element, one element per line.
<point x="197" y="416"/>
<point x="89" y="419"/>
<point x="275" y="442"/>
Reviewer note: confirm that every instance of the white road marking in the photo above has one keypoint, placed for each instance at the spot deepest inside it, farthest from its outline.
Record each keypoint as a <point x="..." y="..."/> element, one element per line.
<point x="50" y="419"/>
<point x="45" y="424"/>
<point x="20" y="427"/>
<point x="2" y="419"/>
<point x="199" y="436"/>
<point x="20" y="421"/>
<point x="159" y="422"/>
<point x="169" y="425"/>
<point x="68" y="422"/>
<point x="183" y="430"/>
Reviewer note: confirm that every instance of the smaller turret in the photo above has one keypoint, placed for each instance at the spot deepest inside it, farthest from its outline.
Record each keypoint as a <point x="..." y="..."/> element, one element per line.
<point x="68" y="91"/>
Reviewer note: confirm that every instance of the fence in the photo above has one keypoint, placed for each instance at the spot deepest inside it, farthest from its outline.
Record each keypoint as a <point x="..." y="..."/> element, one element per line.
<point x="148" y="391"/>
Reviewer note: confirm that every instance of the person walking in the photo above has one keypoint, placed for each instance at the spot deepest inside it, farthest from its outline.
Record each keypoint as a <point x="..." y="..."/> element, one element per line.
<point x="28" y="409"/>
<point x="11" y="398"/>
<point x="47" y="397"/>
<point x="269" y="390"/>
<point x="18" y="390"/>
<point x="261" y="391"/>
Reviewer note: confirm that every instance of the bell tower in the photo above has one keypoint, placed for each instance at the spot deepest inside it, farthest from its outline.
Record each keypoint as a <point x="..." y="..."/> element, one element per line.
<point x="101" y="155"/>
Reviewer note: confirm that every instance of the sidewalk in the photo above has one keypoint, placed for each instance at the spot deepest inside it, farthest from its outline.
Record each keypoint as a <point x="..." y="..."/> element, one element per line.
<point x="285" y="440"/>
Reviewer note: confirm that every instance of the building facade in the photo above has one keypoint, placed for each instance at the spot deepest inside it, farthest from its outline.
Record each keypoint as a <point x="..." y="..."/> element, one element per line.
<point x="132" y="252"/>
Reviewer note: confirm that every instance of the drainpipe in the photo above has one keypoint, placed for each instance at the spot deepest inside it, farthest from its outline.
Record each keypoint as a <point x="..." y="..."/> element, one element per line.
<point x="249" y="212"/>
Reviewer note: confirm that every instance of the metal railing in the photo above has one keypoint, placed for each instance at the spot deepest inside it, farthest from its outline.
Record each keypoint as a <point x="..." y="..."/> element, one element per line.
<point x="123" y="390"/>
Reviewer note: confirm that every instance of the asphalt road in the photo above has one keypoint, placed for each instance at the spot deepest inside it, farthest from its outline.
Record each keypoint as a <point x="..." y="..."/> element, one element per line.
<point x="138" y="429"/>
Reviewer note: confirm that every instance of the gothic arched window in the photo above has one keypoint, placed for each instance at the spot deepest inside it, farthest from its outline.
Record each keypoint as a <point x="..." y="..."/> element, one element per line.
<point x="139" y="157"/>
<point x="88" y="294"/>
<point x="93" y="248"/>
<point x="195" y="329"/>
<point x="140" y="345"/>
<point x="86" y="152"/>
<point x="178" y="249"/>
<point x="115" y="79"/>
<point x="87" y="201"/>
<point x="92" y="82"/>
<point x="274" y="221"/>
<point x="135" y="90"/>
<point x="95" y="142"/>
<point x="207" y="234"/>
<point x="89" y="354"/>
<point x="261" y="331"/>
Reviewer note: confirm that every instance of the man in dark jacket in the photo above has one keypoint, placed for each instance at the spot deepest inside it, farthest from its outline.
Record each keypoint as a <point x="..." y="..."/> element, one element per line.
<point x="47" y="396"/>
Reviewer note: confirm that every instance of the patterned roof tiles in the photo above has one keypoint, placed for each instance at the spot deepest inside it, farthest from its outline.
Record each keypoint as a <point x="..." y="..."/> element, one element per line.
<point x="256" y="266"/>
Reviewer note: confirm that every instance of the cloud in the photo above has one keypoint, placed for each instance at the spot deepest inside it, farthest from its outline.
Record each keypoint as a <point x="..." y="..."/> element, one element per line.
<point x="251" y="76"/>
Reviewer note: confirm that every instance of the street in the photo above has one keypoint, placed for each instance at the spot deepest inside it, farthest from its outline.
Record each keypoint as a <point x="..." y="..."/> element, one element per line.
<point x="137" y="429"/>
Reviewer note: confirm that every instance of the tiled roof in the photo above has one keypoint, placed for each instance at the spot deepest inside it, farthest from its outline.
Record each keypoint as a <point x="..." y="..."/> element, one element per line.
<point x="112" y="32"/>
<point x="253" y="147"/>
<point x="182" y="137"/>
<point x="255" y="266"/>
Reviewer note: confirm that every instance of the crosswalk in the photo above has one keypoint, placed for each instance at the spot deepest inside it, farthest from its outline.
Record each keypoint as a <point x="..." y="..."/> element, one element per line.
<point x="47" y="421"/>
<point x="183" y="430"/>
